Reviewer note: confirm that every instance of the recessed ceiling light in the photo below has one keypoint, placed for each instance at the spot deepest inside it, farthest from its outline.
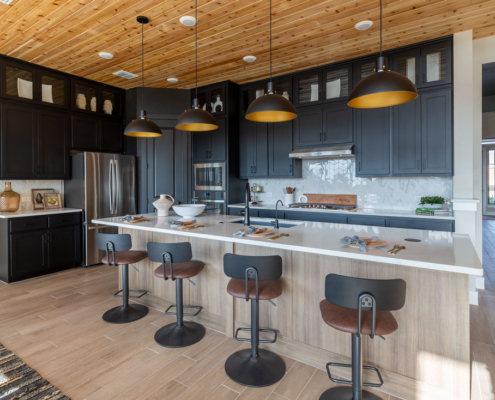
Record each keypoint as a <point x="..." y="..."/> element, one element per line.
<point x="363" y="25"/>
<point x="105" y="55"/>
<point x="173" y="80"/>
<point x="187" y="20"/>
<point x="249" y="59"/>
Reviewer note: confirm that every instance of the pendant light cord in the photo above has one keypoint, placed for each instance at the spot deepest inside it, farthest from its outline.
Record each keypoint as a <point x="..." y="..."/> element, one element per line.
<point x="380" y="28"/>
<point x="142" y="65"/>
<point x="196" y="34"/>
<point x="271" y="40"/>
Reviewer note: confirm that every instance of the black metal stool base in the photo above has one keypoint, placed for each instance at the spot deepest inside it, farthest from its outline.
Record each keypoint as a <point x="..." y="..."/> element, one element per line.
<point x="265" y="370"/>
<point x="346" y="393"/>
<point x="172" y="335"/>
<point x="123" y="315"/>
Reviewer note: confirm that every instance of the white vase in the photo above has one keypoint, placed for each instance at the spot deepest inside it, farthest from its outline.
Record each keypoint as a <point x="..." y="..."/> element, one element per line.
<point x="163" y="204"/>
<point x="93" y="104"/>
<point x="107" y="107"/>
<point x="218" y="103"/>
<point x="81" y="101"/>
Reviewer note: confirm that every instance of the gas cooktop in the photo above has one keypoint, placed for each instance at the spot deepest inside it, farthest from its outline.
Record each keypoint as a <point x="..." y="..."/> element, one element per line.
<point x="323" y="206"/>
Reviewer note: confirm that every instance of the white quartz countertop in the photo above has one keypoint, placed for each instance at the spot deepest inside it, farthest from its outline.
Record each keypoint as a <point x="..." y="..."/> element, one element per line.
<point x="33" y="213"/>
<point x="443" y="251"/>
<point x="359" y="211"/>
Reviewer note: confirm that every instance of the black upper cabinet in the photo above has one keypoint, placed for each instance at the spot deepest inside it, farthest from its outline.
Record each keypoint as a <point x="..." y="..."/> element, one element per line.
<point x="279" y="147"/>
<point x="436" y="132"/>
<point x="19" y="141"/>
<point x="308" y="89"/>
<point x="337" y="124"/>
<point x="406" y="137"/>
<point x="211" y="146"/>
<point x="363" y="68"/>
<point x="436" y="64"/>
<point x="373" y="142"/>
<point x="253" y="149"/>
<point x="408" y="63"/>
<point x="337" y="83"/>
<point x="85" y="133"/>
<point x="85" y="96"/>
<point x="212" y="99"/>
<point x="111" y="102"/>
<point x="54" y="142"/>
<point x="112" y="136"/>
<point x="308" y="127"/>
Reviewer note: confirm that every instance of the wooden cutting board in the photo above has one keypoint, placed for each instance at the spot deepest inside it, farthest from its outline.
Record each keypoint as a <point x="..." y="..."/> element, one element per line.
<point x="346" y="199"/>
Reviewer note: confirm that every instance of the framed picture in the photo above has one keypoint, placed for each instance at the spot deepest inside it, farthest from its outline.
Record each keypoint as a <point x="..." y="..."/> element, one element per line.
<point x="52" y="200"/>
<point x="37" y="196"/>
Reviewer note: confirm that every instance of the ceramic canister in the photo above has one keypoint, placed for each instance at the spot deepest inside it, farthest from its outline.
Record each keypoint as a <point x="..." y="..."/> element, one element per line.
<point x="163" y="205"/>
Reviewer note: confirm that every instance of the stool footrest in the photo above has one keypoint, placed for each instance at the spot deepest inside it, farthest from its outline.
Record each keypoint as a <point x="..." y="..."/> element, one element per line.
<point x="236" y="337"/>
<point x="143" y="292"/>
<point x="346" y="382"/>
<point x="199" y="308"/>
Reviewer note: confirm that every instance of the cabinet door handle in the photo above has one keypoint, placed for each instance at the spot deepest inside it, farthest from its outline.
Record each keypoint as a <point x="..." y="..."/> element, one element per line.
<point x="324" y="136"/>
<point x="359" y="166"/>
<point x="251" y="169"/>
<point x="290" y="168"/>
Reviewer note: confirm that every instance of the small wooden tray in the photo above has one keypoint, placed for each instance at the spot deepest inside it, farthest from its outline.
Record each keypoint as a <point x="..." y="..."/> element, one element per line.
<point x="261" y="234"/>
<point x="380" y="243"/>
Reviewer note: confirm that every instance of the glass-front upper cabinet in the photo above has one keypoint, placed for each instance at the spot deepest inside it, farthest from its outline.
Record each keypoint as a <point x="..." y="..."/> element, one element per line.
<point x="337" y="83"/>
<point x="201" y="99"/>
<point x="407" y="63"/>
<point x="18" y="82"/>
<point x="364" y="68"/>
<point x="283" y="87"/>
<point x="54" y="90"/>
<point x="111" y="101"/>
<point x="307" y="89"/>
<point x="84" y="97"/>
<point x="217" y="100"/>
<point x="436" y="64"/>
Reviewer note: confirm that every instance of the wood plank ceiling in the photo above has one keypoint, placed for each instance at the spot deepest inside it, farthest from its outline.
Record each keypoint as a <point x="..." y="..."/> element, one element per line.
<point x="67" y="35"/>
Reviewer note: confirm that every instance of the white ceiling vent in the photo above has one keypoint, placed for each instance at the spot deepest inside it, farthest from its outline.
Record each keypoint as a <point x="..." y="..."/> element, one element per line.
<point x="125" y="74"/>
<point x="363" y="25"/>
<point x="6" y="1"/>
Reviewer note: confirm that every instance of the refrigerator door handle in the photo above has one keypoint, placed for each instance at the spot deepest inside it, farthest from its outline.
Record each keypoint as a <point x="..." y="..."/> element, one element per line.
<point x="110" y="185"/>
<point x="117" y="186"/>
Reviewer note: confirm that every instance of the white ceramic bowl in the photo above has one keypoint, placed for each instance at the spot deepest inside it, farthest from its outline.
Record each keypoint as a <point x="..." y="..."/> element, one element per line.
<point x="189" y="211"/>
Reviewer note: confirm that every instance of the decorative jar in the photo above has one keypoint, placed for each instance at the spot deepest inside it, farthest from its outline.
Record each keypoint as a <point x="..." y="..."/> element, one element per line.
<point x="9" y="200"/>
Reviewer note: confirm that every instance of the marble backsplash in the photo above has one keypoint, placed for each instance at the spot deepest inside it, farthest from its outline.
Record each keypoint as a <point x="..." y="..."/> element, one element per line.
<point x="24" y="189"/>
<point x="338" y="177"/>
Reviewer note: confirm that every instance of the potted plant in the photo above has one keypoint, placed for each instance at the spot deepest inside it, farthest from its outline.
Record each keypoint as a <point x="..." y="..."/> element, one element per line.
<point x="432" y="202"/>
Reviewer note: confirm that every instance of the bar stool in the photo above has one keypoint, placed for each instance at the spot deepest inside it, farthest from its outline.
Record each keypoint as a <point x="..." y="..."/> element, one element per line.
<point x="254" y="278"/>
<point x="360" y="307"/>
<point x="180" y="266"/>
<point x="117" y="248"/>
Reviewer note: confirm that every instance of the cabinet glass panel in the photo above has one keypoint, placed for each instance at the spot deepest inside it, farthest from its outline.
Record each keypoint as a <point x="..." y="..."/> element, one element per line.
<point x="217" y="99"/>
<point x="406" y="65"/>
<point x="19" y="82"/>
<point x="308" y="90"/>
<point x="337" y="83"/>
<point x="259" y="90"/>
<point x="52" y="90"/>
<point x="202" y="100"/>
<point x="282" y="88"/>
<point x="367" y="69"/>
<point x="436" y="65"/>
<point x="85" y="98"/>
<point x="111" y="103"/>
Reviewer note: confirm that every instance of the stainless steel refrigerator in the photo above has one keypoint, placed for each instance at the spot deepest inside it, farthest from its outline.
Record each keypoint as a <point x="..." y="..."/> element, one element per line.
<point x="103" y="185"/>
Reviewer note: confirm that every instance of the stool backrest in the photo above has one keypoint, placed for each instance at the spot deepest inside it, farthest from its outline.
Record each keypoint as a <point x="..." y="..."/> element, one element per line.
<point x="344" y="291"/>
<point x="180" y="252"/>
<point x="268" y="267"/>
<point x="121" y="242"/>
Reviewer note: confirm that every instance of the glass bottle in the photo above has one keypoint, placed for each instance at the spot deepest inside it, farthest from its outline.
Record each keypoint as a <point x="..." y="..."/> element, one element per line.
<point x="9" y="200"/>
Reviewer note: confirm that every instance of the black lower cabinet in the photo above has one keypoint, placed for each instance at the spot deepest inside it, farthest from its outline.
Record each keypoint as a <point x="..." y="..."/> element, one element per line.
<point x="33" y="246"/>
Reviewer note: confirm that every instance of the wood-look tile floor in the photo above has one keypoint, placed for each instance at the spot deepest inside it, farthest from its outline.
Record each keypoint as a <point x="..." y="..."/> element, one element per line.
<point x="54" y="324"/>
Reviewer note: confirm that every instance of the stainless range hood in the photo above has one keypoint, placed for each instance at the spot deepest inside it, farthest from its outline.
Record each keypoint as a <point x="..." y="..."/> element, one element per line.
<point x="333" y="152"/>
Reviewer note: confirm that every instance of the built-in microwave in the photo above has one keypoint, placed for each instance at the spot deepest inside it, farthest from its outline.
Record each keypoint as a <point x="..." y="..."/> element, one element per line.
<point x="210" y="176"/>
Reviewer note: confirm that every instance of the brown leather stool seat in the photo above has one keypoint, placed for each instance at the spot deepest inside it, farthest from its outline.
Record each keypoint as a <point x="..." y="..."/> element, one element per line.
<point x="181" y="270"/>
<point x="267" y="290"/>
<point x="126" y="257"/>
<point x="346" y="320"/>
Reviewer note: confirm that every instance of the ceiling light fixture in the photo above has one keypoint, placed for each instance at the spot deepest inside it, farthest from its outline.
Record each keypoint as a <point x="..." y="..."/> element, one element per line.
<point x="382" y="88"/>
<point x="142" y="126"/>
<point x="196" y="119"/>
<point x="173" y="80"/>
<point x="105" y="55"/>
<point x="271" y="107"/>
<point x="249" y="59"/>
<point x="363" y="25"/>
<point x="188" y="20"/>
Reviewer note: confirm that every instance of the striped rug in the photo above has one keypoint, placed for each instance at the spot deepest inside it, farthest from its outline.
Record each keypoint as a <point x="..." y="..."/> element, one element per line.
<point x="20" y="381"/>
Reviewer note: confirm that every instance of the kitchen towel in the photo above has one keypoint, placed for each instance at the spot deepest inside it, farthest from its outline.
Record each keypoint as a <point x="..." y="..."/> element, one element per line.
<point x="249" y="231"/>
<point x="176" y="224"/>
<point x="356" y="240"/>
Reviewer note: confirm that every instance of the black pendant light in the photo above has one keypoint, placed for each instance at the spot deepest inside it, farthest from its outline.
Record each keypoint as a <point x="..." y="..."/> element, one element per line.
<point x="271" y="107"/>
<point x="142" y="127"/>
<point x="196" y="119"/>
<point x="382" y="88"/>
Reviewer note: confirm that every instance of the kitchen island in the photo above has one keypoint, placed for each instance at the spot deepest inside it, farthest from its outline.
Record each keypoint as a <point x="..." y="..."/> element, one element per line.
<point x="427" y="358"/>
